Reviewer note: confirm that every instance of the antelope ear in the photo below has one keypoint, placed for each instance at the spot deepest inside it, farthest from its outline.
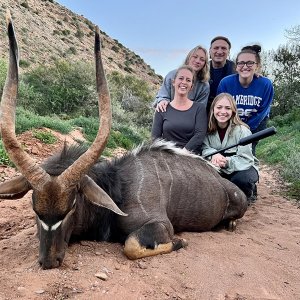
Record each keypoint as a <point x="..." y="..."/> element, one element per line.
<point x="98" y="196"/>
<point x="14" y="188"/>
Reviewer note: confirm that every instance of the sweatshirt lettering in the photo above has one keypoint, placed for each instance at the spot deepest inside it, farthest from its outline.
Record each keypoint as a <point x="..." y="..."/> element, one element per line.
<point x="248" y="100"/>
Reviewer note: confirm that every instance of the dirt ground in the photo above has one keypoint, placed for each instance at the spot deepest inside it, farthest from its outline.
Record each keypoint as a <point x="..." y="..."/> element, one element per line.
<point x="261" y="260"/>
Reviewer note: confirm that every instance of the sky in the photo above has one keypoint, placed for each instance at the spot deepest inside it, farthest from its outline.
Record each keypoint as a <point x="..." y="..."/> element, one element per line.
<point x="162" y="32"/>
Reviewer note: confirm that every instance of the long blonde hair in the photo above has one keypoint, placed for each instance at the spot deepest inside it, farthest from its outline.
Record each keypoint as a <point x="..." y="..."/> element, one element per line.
<point x="203" y="74"/>
<point x="235" y="119"/>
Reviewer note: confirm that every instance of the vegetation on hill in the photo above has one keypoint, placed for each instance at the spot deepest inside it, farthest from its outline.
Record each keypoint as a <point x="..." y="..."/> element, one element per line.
<point x="48" y="31"/>
<point x="283" y="149"/>
<point x="62" y="95"/>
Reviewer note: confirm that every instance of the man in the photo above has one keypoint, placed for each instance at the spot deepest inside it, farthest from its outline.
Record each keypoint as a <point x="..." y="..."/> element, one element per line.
<point x="220" y="65"/>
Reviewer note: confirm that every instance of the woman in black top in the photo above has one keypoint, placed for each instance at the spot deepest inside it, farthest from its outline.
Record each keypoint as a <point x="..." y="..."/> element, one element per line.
<point x="184" y="121"/>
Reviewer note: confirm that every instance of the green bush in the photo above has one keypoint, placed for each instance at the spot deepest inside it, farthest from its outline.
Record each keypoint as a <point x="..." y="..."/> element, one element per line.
<point x="25" y="4"/>
<point x="134" y="98"/>
<point x="26" y="120"/>
<point x="283" y="150"/>
<point x="4" y="159"/>
<point x="3" y="73"/>
<point x="65" y="88"/>
<point x="286" y="119"/>
<point x="45" y="137"/>
<point x="115" y="48"/>
<point x="24" y="63"/>
<point x="64" y="95"/>
<point x="89" y="125"/>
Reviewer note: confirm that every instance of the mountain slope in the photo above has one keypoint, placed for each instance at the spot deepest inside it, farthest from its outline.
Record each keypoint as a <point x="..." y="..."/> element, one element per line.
<point x="47" y="31"/>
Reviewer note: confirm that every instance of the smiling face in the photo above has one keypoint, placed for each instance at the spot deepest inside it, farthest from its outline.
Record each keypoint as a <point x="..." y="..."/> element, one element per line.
<point x="197" y="60"/>
<point x="246" y="65"/>
<point x="219" y="52"/>
<point x="183" y="81"/>
<point x="223" y="112"/>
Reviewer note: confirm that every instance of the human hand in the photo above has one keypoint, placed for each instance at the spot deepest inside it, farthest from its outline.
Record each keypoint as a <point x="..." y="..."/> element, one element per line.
<point x="219" y="160"/>
<point x="162" y="106"/>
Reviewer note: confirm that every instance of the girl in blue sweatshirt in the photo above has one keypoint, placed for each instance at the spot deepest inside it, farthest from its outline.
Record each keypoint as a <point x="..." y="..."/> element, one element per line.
<point x="253" y="94"/>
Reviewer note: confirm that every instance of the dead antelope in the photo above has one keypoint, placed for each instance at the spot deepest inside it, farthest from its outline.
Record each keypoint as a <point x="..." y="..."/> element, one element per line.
<point x="140" y="199"/>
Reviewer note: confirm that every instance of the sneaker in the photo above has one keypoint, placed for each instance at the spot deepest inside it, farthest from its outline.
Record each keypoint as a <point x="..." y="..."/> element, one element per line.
<point x="252" y="199"/>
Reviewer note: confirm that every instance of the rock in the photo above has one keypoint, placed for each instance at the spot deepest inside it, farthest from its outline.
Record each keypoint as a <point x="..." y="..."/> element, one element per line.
<point x="101" y="276"/>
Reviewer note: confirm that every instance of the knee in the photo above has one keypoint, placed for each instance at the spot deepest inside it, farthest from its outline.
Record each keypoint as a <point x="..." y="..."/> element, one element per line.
<point x="244" y="184"/>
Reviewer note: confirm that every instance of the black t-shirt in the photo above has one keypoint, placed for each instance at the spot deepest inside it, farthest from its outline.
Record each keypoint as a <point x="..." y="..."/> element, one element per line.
<point x="186" y="128"/>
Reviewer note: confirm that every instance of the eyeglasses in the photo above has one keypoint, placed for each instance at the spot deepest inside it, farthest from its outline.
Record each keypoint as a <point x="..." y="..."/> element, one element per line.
<point x="247" y="63"/>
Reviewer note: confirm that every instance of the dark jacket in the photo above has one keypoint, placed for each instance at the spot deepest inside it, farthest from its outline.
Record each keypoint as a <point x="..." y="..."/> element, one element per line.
<point x="216" y="75"/>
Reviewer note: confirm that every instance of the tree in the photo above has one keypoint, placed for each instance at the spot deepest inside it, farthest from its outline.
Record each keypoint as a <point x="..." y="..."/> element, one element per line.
<point x="286" y="74"/>
<point x="293" y="34"/>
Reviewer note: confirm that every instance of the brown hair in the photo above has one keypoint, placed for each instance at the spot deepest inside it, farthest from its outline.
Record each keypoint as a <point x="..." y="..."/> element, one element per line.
<point x="203" y="74"/>
<point x="235" y="119"/>
<point x="254" y="49"/>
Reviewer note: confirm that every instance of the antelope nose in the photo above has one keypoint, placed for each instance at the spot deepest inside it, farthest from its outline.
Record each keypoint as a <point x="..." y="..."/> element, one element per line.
<point x="50" y="264"/>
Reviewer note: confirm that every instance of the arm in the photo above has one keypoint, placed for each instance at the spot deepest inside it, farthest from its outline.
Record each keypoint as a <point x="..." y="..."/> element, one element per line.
<point x="244" y="158"/>
<point x="203" y="93"/>
<point x="264" y="108"/>
<point x="217" y="159"/>
<point x="165" y="90"/>
<point x="157" y="126"/>
<point x="196" y="141"/>
<point x="210" y="144"/>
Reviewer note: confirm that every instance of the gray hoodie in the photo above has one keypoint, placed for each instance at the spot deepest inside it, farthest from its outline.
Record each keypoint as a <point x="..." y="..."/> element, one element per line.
<point x="199" y="92"/>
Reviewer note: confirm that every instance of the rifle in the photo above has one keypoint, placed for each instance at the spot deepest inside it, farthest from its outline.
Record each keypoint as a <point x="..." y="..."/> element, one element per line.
<point x="248" y="139"/>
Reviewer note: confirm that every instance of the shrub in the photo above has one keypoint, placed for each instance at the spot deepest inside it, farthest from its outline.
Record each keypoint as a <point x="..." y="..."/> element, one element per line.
<point x="134" y="97"/>
<point x="65" y="88"/>
<point x="25" y="4"/>
<point x="79" y="33"/>
<point x="4" y="159"/>
<point x="3" y="73"/>
<point x="72" y="50"/>
<point x="115" y="48"/>
<point x="26" y="120"/>
<point x="66" y="32"/>
<point x="44" y="136"/>
<point x="24" y="63"/>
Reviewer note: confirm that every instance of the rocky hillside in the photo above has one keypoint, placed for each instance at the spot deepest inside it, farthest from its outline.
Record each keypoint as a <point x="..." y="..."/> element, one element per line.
<point x="47" y="31"/>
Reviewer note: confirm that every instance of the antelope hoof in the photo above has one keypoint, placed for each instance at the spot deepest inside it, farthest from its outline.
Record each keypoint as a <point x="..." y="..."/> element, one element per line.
<point x="232" y="225"/>
<point x="178" y="244"/>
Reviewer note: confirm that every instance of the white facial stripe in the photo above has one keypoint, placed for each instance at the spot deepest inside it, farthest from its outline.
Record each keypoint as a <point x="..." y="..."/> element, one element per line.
<point x="47" y="227"/>
<point x="55" y="226"/>
<point x="44" y="225"/>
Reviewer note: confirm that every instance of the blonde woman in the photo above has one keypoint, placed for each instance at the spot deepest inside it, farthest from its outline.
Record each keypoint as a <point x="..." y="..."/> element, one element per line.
<point x="197" y="58"/>
<point x="225" y="129"/>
